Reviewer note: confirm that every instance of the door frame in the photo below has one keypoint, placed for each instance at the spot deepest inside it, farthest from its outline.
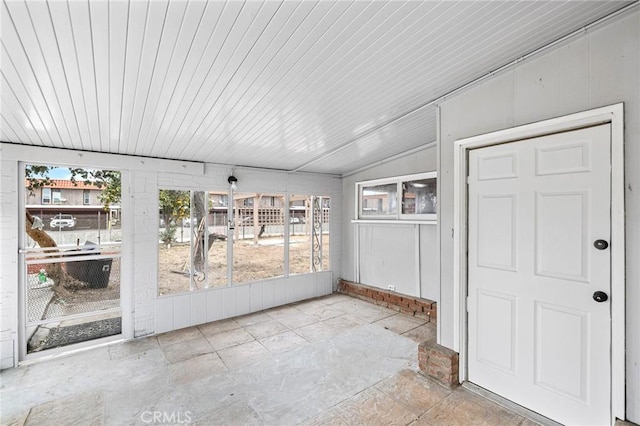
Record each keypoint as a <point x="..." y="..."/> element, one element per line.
<point x="613" y="114"/>
<point x="64" y="158"/>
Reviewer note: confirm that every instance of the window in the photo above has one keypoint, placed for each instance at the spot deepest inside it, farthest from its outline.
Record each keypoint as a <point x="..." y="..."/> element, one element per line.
<point x="218" y="200"/>
<point x="175" y="274"/>
<point x="217" y="239"/>
<point x="309" y="233"/>
<point x="411" y="197"/>
<point x="258" y="239"/>
<point x="86" y="197"/>
<point x="88" y="250"/>
<point x="419" y="197"/>
<point x="207" y="239"/>
<point x="46" y="195"/>
<point x="379" y="200"/>
<point x="192" y="238"/>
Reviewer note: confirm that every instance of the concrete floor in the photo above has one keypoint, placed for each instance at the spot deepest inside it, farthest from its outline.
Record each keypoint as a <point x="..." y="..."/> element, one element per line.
<point x="335" y="360"/>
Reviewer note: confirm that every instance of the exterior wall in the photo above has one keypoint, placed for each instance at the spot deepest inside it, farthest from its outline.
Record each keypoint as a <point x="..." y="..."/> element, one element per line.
<point x="73" y="197"/>
<point x="393" y="254"/>
<point x="601" y="67"/>
<point x="141" y="180"/>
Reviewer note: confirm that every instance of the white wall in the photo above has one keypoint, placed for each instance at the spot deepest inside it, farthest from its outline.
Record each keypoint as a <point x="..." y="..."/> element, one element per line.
<point x="402" y="255"/>
<point x="141" y="180"/>
<point x="8" y="262"/>
<point x="601" y="67"/>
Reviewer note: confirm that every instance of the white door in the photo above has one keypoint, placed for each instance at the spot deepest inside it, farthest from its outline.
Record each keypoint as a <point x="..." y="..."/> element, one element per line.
<point x="539" y="221"/>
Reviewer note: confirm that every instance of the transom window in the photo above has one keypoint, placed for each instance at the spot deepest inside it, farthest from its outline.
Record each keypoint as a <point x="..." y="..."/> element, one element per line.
<point x="411" y="197"/>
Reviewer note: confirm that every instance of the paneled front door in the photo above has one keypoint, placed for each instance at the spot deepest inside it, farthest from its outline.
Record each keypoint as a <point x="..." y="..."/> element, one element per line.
<point x="539" y="273"/>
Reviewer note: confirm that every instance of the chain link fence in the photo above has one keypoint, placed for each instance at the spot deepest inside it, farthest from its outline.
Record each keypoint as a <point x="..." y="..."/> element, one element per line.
<point x="70" y="282"/>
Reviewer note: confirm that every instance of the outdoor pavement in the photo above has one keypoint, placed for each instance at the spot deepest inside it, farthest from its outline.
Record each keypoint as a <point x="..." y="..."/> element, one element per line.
<point x="334" y="360"/>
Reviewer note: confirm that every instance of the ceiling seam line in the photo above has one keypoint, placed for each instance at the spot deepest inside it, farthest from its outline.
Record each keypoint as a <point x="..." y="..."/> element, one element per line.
<point x="423" y="147"/>
<point x="66" y="78"/>
<point x="226" y="85"/>
<point x="124" y="73"/>
<point x="408" y="49"/>
<point x="2" y="115"/>
<point x="28" y="61"/>
<point x="329" y="82"/>
<point x="53" y="85"/>
<point x="319" y="89"/>
<point x="209" y="132"/>
<point x="136" y="87"/>
<point x="95" y="76"/>
<point x="474" y="82"/>
<point x="24" y="111"/>
<point x="301" y="57"/>
<point x="166" y="73"/>
<point x="153" y="72"/>
<point x="204" y="78"/>
<point x="184" y="62"/>
<point x="2" y="128"/>
<point x="82" y="91"/>
<point x="180" y="103"/>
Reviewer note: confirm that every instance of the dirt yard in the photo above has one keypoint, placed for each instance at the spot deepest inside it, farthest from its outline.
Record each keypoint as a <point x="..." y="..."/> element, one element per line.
<point x="251" y="262"/>
<point x="83" y="295"/>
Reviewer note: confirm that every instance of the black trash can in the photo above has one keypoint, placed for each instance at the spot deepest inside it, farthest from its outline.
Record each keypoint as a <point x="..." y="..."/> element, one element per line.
<point x="93" y="272"/>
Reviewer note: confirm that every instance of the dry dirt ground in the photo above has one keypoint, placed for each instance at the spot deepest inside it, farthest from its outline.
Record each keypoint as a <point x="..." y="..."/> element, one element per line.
<point x="251" y="262"/>
<point x="81" y="295"/>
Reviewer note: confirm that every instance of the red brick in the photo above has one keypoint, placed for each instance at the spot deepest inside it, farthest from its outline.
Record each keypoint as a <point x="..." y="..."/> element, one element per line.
<point x="439" y="363"/>
<point x="422" y="308"/>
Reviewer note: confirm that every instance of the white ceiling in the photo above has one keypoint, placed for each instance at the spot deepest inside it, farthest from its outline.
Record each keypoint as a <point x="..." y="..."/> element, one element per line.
<point x="328" y="86"/>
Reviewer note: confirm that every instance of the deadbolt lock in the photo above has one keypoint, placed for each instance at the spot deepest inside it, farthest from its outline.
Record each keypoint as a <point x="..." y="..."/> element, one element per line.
<point x="600" y="244"/>
<point x="600" y="296"/>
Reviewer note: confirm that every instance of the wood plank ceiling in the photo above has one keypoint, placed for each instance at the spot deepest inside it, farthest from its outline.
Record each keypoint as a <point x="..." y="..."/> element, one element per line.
<point x="322" y="86"/>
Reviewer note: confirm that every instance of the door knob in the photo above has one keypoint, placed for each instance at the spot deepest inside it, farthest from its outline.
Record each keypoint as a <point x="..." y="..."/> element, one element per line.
<point x="600" y="244"/>
<point x="600" y="296"/>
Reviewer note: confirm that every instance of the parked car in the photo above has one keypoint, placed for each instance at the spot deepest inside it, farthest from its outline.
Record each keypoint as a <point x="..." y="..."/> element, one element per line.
<point x="62" y="221"/>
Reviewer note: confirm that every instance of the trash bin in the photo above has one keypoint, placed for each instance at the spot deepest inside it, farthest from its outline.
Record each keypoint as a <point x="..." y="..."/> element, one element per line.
<point x="93" y="272"/>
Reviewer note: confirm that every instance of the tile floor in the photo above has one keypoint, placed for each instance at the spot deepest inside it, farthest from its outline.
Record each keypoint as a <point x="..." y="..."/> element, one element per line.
<point x="335" y="360"/>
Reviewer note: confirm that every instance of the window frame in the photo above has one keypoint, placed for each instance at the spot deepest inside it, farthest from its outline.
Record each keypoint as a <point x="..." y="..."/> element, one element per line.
<point x="46" y="199"/>
<point x="56" y="196"/>
<point x="397" y="216"/>
<point x="368" y="184"/>
<point x="417" y="216"/>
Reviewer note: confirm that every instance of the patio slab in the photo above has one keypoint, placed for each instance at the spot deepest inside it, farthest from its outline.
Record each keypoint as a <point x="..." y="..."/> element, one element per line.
<point x="338" y="369"/>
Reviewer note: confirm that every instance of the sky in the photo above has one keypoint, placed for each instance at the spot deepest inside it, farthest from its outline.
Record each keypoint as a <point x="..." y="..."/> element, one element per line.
<point x="60" y="173"/>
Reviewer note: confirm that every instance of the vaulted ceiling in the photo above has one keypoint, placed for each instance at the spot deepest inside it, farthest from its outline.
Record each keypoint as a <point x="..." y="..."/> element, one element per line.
<point x="322" y="86"/>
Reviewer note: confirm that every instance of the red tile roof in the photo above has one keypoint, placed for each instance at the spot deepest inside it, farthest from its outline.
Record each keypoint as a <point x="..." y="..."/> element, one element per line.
<point x="67" y="184"/>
